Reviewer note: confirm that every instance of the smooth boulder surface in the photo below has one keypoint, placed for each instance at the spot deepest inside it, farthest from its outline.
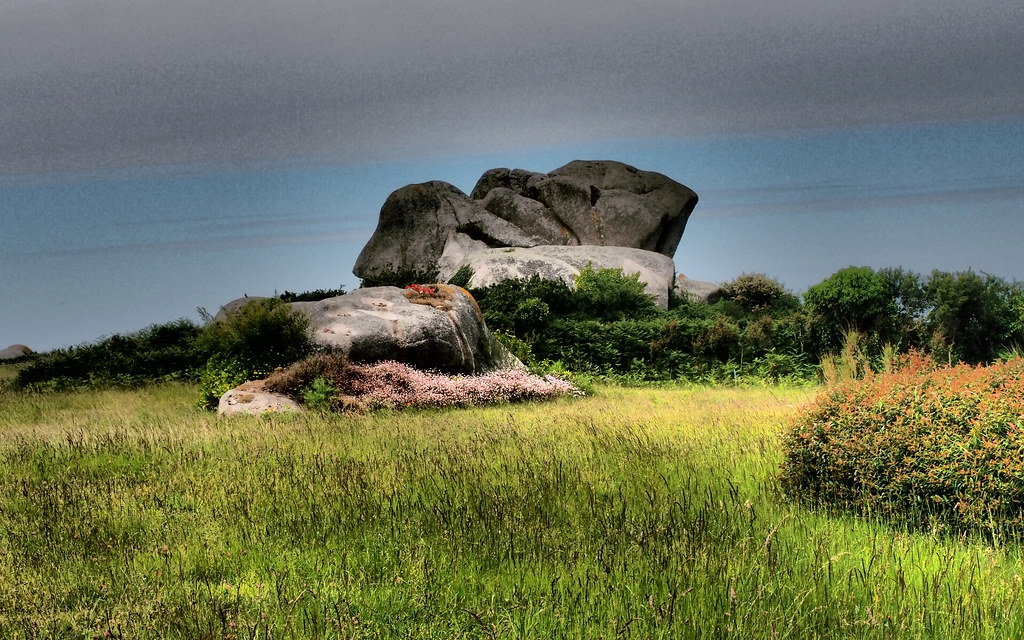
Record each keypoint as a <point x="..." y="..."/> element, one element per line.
<point x="416" y="222"/>
<point x="585" y="203"/>
<point x="230" y="308"/>
<point x="698" y="290"/>
<point x="252" y="398"/>
<point x="14" y="352"/>
<point x="444" y="331"/>
<point x="564" y="263"/>
<point x="592" y="202"/>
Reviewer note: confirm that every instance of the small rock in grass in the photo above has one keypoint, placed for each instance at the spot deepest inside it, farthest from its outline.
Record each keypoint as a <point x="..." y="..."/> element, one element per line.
<point x="253" y="398"/>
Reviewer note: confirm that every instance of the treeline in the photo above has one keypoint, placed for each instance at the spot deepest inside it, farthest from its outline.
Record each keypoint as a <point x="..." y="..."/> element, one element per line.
<point x="608" y="326"/>
<point x="756" y="327"/>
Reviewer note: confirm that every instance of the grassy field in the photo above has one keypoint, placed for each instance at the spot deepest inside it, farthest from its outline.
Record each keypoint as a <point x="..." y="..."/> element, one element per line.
<point x="643" y="513"/>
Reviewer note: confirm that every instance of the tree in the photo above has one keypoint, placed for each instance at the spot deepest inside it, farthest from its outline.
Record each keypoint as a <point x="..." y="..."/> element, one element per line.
<point x="757" y="293"/>
<point x="907" y="289"/>
<point x="855" y="298"/>
<point x="972" y="316"/>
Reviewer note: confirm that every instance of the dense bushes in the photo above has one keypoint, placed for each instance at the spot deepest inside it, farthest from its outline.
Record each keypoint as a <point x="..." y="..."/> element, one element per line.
<point x="256" y="339"/>
<point x="756" y="292"/>
<point x="250" y="343"/>
<point x="158" y="352"/>
<point x="315" y="295"/>
<point x="608" y="325"/>
<point x="923" y="445"/>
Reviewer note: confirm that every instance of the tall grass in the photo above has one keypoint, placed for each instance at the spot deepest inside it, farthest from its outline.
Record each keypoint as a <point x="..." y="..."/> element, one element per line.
<point x="645" y="513"/>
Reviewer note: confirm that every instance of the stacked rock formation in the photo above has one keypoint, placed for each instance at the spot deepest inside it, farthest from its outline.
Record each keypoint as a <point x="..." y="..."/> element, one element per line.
<point x="434" y="228"/>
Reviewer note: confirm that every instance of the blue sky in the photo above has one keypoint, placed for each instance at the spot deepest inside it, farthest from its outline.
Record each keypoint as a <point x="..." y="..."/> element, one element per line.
<point x="160" y="157"/>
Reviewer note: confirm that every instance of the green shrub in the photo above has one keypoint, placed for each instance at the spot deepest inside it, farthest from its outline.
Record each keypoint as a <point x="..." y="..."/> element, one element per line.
<point x="250" y="343"/>
<point x="222" y="373"/>
<point x="321" y="395"/>
<point x="600" y="347"/>
<point x="517" y="306"/>
<point x="401" y="278"/>
<point x="516" y="346"/>
<point x="855" y="298"/>
<point x="608" y="294"/>
<point x="462" y="277"/>
<point x="757" y="293"/>
<point x="972" y="316"/>
<point x="312" y="296"/>
<point x="158" y="352"/>
<point x="922" y="446"/>
<point x="266" y="332"/>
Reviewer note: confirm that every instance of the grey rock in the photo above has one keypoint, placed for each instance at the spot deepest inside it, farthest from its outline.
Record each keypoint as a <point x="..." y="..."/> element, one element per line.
<point x="445" y="331"/>
<point x="252" y="398"/>
<point x="698" y="290"/>
<point x="14" y="352"/>
<point x="602" y="202"/>
<point x="415" y="223"/>
<point x="513" y="179"/>
<point x="564" y="263"/>
<point x="596" y="203"/>
<point x="456" y="251"/>
<point x="233" y="306"/>
<point x="529" y="215"/>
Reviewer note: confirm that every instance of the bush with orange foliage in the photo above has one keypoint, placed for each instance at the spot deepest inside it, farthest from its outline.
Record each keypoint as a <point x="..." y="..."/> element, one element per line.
<point x="924" y="445"/>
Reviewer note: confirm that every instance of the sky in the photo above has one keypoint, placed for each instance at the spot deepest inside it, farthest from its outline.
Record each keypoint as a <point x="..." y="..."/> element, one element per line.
<point x="157" y="157"/>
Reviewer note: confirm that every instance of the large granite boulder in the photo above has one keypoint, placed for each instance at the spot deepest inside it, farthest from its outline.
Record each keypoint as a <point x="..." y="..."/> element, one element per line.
<point x="553" y="262"/>
<point x="592" y="203"/>
<point x="435" y="327"/>
<point x="601" y="203"/>
<point x="416" y="222"/>
<point x="14" y="352"/>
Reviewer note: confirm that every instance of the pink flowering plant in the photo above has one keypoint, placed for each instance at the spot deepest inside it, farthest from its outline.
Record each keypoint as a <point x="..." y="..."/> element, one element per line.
<point x="422" y="289"/>
<point x="393" y="385"/>
<point x="434" y="295"/>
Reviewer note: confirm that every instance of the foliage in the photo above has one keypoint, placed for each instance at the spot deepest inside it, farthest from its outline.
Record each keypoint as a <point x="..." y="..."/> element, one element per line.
<point x="923" y="446"/>
<point x="462" y="277"/>
<point x="636" y="513"/>
<point x="911" y="306"/>
<point x="757" y="293"/>
<point x="401" y="277"/>
<point x="312" y="296"/>
<point x="320" y="395"/>
<point x="523" y="307"/>
<point x="266" y="332"/>
<point x="520" y="348"/>
<point x="972" y="316"/>
<point x="250" y="343"/>
<point x="855" y="298"/>
<point x="223" y="373"/>
<point x="394" y="385"/>
<point x="850" y="364"/>
<point x="158" y="352"/>
<point x="598" y="347"/>
<point x="608" y="294"/>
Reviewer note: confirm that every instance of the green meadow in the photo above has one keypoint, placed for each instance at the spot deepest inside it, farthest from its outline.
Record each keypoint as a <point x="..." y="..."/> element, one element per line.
<point x="649" y="512"/>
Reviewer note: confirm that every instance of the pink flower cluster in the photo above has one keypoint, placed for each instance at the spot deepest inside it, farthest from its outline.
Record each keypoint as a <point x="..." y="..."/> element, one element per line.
<point x="394" y="385"/>
<point x="422" y="289"/>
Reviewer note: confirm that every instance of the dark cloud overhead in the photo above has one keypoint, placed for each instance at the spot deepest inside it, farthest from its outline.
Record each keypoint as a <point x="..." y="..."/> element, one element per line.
<point x="111" y="83"/>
